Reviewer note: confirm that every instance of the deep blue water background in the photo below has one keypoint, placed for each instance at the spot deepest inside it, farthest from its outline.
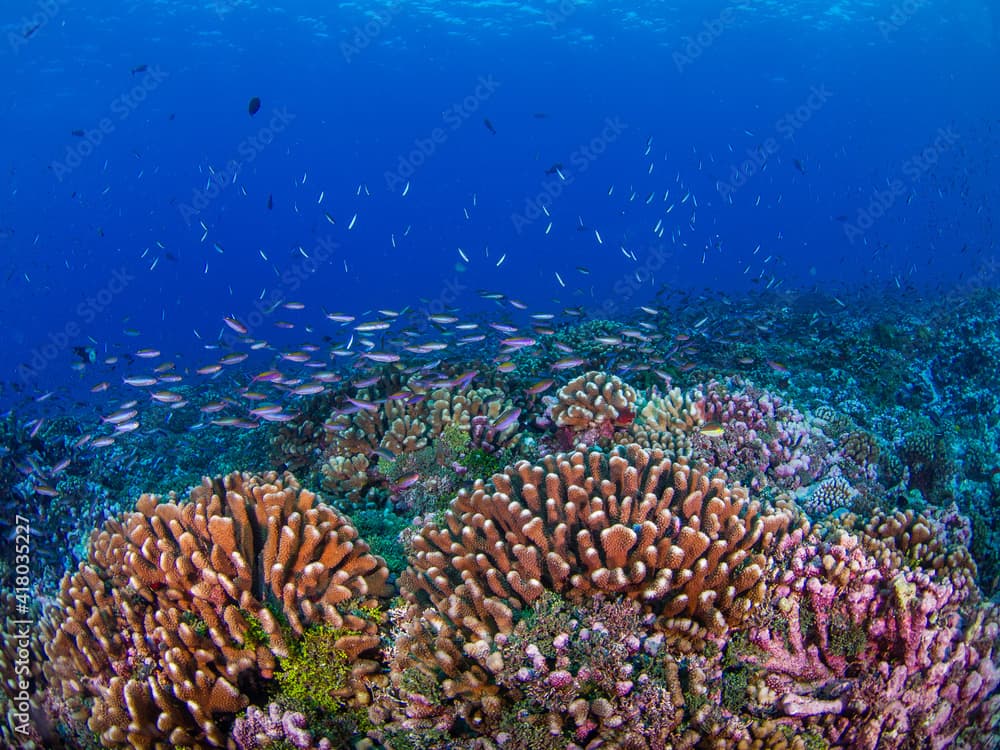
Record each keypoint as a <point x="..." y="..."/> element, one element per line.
<point x="64" y="236"/>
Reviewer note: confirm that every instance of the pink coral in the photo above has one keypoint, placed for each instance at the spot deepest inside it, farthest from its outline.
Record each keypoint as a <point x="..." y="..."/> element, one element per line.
<point x="764" y="441"/>
<point x="483" y="435"/>
<point x="581" y="669"/>
<point x="901" y="652"/>
<point x="257" y="729"/>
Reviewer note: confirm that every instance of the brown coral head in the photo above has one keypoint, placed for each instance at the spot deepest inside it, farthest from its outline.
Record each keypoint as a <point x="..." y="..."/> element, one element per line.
<point x="183" y="609"/>
<point x="630" y="523"/>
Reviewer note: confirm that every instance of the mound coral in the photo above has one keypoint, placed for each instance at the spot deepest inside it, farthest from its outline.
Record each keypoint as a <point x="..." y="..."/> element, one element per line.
<point x="861" y="451"/>
<point x="832" y="494"/>
<point x="930" y="464"/>
<point x="347" y="475"/>
<point x="592" y="407"/>
<point x="630" y="526"/>
<point x="666" y="421"/>
<point x="182" y="610"/>
<point x="834" y="423"/>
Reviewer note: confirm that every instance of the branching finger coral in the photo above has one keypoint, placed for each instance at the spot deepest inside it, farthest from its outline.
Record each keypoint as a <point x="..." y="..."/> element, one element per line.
<point x="182" y="610"/>
<point x="403" y="423"/>
<point x="633" y="525"/>
<point x="592" y="407"/>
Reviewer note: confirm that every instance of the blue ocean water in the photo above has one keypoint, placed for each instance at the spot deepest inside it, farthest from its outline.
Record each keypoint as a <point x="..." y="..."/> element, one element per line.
<point x="855" y="143"/>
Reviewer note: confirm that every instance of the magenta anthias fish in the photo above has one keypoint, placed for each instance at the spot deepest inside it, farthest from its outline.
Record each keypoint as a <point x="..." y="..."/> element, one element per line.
<point x="405" y="481"/>
<point x="507" y="419"/>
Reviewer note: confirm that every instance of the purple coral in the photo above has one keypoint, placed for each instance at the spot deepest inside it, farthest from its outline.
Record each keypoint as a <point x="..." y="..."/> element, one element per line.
<point x="580" y="669"/>
<point x="901" y="652"/>
<point x="484" y="435"/>
<point x="763" y="440"/>
<point x="256" y="730"/>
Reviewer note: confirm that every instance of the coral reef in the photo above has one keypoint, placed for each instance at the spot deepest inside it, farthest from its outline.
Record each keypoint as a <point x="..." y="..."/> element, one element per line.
<point x="796" y="549"/>
<point x="183" y="610"/>
<point x="591" y="408"/>
<point x="871" y="653"/>
<point x="632" y="524"/>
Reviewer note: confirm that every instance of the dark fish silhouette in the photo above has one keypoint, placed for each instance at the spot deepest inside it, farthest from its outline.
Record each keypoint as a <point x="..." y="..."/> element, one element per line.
<point x="489" y="125"/>
<point x="77" y="133"/>
<point x="799" y="165"/>
<point x="254" y="106"/>
<point x="31" y="30"/>
<point x="554" y="168"/>
<point x="86" y="354"/>
<point x="140" y="69"/>
<point x="540" y="115"/>
<point x="270" y="202"/>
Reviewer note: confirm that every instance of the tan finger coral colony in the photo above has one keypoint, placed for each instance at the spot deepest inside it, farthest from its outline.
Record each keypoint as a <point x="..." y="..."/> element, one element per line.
<point x="622" y="593"/>
<point x="632" y="525"/>
<point x="400" y="427"/>
<point x="183" y="607"/>
<point x="637" y="526"/>
<point x="594" y="399"/>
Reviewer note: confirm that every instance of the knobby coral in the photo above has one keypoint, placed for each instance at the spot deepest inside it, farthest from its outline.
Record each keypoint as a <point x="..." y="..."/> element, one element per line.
<point x="591" y="407"/>
<point x="667" y="421"/>
<point x="182" y="610"/>
<point x="633" y="525"/>
<point x="403" y="422"/>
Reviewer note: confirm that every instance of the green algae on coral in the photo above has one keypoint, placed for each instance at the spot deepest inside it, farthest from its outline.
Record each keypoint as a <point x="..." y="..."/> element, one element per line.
<point x="315" y="669"/>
